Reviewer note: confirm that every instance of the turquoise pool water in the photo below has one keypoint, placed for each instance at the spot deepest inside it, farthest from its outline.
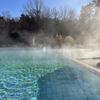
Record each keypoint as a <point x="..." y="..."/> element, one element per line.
<point x="21" y="69"/>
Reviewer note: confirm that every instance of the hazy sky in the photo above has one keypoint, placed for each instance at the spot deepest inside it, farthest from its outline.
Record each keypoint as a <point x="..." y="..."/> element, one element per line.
<point x="15" y="6"/>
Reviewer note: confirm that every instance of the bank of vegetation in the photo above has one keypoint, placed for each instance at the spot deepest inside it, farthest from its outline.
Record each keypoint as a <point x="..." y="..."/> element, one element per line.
<point x="40" y="26"/>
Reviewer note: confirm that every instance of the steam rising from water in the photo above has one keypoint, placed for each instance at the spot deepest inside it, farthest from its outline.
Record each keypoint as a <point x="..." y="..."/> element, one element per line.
<point x="92" y="39"/>
<point x="81" y="53"/>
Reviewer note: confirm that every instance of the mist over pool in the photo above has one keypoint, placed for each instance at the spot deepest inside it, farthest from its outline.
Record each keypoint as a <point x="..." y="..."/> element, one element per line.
<point x="24" y="73"/>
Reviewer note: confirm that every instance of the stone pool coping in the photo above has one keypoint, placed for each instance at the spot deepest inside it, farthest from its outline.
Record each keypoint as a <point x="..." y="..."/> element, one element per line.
<point x="87" y="66"/>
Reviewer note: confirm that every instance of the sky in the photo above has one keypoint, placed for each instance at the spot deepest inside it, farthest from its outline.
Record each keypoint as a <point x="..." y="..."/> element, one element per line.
<point x="15" y="7"/>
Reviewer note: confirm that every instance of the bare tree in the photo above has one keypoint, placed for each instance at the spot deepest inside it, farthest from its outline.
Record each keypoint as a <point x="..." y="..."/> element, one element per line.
<point x="97" y="2"/>
<point x="71" y="14"/>
<point x="6" y="15"/>
<point x="46" y="13"/>
<point x="55" y="13"/>
<point x="63" y="13"/>
<point x="34" y="8"/>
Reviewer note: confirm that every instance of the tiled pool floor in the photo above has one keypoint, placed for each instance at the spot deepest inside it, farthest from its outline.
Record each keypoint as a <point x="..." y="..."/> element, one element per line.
<point x="69" y="84"/>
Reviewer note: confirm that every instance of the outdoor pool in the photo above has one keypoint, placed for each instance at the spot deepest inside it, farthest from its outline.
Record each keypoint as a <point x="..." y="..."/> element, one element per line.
<point x="32" y="74"/>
